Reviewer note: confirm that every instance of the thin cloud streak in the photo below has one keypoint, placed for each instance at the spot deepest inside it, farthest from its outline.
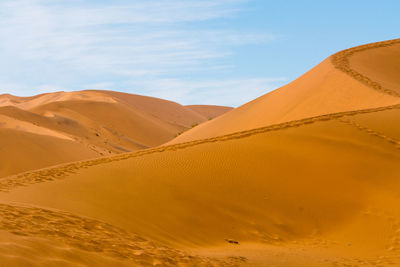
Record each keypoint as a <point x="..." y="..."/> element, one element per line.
<point x="74" y="43"/>
<point x="223" y="92"/>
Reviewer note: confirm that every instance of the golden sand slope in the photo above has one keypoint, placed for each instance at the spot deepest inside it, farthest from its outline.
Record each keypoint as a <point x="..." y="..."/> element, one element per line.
<point x="318" y="191"/>
<point x="42" y="99"/>
<point x="330" y="87"/>
<point x="96" y="123"/>
<point x="21" y="151"/>
<point x="167" y="111"/>
<point x="336" y="203"/>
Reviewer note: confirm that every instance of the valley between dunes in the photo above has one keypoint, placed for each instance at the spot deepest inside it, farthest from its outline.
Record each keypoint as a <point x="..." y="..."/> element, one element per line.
<point x="307" y="175"/>
<point x="68" y="126"/>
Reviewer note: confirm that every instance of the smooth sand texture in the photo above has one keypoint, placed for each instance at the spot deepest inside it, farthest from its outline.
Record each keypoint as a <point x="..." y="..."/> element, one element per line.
<point x="21" y="151"/>
<point x="98" y="122"/>
<point x="318" y="190"/>
<point x="324" y="89"/>
<point x="168" y="111"/>
<point x="35" y="101"/>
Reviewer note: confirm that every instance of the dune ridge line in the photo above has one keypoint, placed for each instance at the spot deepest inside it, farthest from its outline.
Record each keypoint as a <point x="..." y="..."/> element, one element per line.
<point x="64" y="170"/>
<point x="340" y="61"/>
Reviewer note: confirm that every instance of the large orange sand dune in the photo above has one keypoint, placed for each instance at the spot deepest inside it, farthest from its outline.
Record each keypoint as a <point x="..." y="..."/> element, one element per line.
<point x="329" y="87"/>
<point x="320" y="189"/>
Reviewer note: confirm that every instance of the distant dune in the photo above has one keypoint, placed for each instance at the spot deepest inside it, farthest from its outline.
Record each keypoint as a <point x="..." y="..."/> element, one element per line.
<point x="307" y="175"/>
<point x="329" y="87"/>
<point x="209" y="112"/>
<point x="92" y="123"/>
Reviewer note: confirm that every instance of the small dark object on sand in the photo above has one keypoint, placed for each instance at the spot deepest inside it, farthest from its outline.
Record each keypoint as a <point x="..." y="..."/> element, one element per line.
<point x="232" y="241"/>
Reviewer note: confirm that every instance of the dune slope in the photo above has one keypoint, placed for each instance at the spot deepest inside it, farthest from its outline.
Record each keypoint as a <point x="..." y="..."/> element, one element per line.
<point x="332" y="86"/>
<point x="167" y="111"/>
<point x="22" y="151"/>
<point x="98" y="122"/>
<point x="241" y="189"/>
<point x="315" y="185"/>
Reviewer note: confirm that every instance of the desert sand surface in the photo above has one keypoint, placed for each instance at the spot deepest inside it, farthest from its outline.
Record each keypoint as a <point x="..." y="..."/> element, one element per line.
<point x="330" y="87"/>
<point x="319" y="188"/>
<point x="239" y="188"/>
<point x="91" y="123"/>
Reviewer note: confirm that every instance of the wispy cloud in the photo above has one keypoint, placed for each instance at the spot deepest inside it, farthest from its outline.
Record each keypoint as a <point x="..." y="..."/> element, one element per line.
<point x="230" y="92"/>
<point x="70" y="44"/>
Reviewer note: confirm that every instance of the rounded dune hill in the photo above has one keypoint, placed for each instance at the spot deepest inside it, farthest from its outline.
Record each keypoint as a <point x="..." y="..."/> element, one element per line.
<point x="337" y="84"/>
<point x="92" y="123"/>
<point x="319" y="188"/>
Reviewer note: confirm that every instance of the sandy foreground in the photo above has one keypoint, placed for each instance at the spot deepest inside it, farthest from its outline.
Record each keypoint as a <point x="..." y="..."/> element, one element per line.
<point x="304" y="176"/>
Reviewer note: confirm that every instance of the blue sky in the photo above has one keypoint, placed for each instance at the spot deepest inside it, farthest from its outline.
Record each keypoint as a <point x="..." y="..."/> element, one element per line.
<point x="224" y="52"/>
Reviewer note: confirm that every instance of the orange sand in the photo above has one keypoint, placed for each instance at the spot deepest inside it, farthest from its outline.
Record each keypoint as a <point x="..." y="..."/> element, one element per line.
<point x="97" y="123"/>
<point x="310" y="180"/>
<point x="323" y="90"/>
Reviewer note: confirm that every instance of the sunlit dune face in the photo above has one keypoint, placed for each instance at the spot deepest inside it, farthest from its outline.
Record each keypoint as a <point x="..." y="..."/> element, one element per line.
<point x="382" y="65"/>
<point x="327" y="88"/>
<point x="10" y="123"/>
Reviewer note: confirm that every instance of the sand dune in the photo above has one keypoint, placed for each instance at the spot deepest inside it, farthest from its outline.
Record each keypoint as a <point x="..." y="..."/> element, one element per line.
<point x="10" y="123"/>
<point x="329" y="87"/>
<point x="209" y="111"/>
<point x="32" y="102"/>
<point x="98" y="122"/>
<point x="242" y="190"/>
<point x="306" y="176"/>
<point x="168" y="111"/>
<point x="22" y="151"/>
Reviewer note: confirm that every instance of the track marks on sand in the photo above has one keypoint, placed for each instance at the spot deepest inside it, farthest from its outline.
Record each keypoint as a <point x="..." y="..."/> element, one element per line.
<point x="372" y="132"/>
<point x="341" y="62"/>
<point x="98" y="237"/>
<point x="62" y="171"/>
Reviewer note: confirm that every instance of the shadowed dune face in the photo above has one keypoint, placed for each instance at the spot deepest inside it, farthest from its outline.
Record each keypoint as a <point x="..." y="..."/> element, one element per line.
<point x="323" y="90"/>
<point x="167" y="111"/>
<point x="98" y="123"/>
<point x="121" y="121"/>
<point x="242" y="188"/>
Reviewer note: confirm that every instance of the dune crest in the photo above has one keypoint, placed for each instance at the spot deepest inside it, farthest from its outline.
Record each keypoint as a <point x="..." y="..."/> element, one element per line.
<point x="328" y="88"/>
<point x="32" y="102"/>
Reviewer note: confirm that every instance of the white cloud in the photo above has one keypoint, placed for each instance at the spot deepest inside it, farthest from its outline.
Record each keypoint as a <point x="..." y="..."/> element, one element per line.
<point x="73" y="43"/>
